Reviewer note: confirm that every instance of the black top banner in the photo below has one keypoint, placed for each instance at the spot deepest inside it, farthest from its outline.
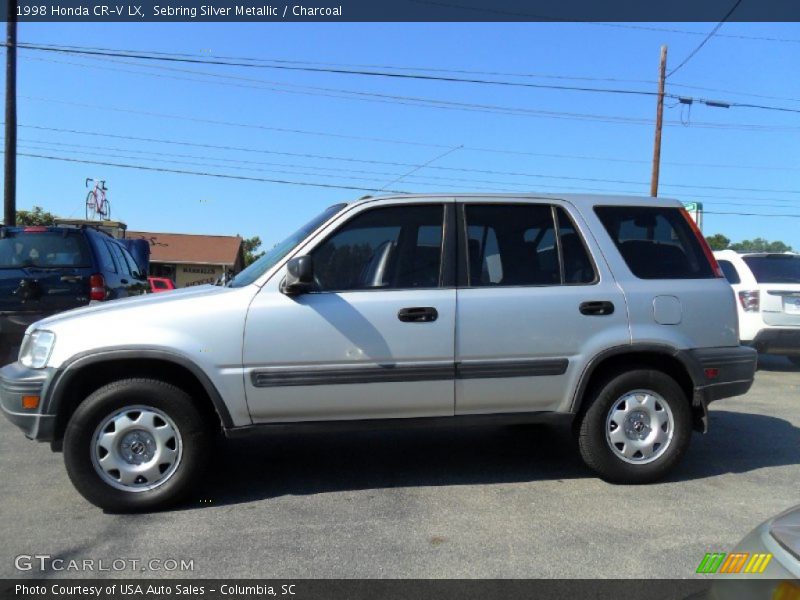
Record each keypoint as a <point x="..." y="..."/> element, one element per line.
<point x="403" y="10"/>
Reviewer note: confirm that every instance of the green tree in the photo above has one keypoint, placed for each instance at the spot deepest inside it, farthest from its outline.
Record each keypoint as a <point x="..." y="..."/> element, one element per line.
<point x="718" y="241"/>
<point x="250" y="248"/>
<point x="37" y="216"/>
<point x="760" y="245"/>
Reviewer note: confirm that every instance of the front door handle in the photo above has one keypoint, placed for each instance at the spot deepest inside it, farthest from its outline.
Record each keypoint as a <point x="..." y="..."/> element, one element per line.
<point x="418" y="314"/>
<point x="597" y="308"/>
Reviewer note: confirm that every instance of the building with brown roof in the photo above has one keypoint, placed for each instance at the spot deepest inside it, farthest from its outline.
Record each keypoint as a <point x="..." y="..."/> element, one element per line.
<point x="190" y="259"/>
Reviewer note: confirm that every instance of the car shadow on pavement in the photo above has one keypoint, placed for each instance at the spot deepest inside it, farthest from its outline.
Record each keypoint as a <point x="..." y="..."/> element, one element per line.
<point x="777" y="364"/>
<point x="267" y="466"/>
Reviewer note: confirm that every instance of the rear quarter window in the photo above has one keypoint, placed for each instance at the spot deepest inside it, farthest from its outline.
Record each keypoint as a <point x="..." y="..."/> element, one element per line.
<point x="729" y="271"/>
<point x="655" y="242"/>
<point x="775" y="268"/>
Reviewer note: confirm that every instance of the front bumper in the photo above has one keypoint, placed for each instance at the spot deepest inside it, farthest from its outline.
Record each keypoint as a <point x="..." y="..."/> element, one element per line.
<point x="17" y="381"/>
<point x="778" y="341"/>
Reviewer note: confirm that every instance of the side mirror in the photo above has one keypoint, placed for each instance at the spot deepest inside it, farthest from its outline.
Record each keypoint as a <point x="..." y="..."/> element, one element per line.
<point x="299" y="276"/>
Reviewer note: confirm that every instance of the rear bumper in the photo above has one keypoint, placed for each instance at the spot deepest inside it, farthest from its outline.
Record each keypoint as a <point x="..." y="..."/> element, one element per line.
<point x="735" y="368"/>
<point x="778" y="341"/>
<point x="17" y="381"/>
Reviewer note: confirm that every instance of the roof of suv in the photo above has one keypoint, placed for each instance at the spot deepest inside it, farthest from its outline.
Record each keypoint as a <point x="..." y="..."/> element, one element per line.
<point x="578" y="199"/>
<point x="52" y="228"/>
<point x="729" y="252"/>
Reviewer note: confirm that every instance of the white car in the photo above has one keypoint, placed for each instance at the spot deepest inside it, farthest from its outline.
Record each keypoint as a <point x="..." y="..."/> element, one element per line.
<point x="767" y="288"/>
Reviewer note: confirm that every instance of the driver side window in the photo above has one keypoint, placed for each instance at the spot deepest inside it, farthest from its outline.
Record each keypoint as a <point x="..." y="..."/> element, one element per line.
<point x="397" y="247"/>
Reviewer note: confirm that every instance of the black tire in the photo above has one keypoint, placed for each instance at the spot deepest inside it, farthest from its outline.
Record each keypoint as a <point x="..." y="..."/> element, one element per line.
<point x="195" y="435"/>
<point x="795" y="360"/>
<point x="592" y="422"/>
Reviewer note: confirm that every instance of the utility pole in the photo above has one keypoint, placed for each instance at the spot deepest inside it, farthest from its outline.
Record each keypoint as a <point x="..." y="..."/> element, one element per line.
<point x="10" y="191"/>
<point x="659" y="120"/>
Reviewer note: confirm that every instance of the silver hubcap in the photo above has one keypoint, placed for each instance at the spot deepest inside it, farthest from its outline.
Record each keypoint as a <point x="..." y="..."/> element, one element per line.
<point x="137" y="448"/>
<point x="639" y="427"/>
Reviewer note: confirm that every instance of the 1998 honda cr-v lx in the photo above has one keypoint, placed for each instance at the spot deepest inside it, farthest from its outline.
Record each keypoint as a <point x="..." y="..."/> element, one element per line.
<point x="609" y="311"/>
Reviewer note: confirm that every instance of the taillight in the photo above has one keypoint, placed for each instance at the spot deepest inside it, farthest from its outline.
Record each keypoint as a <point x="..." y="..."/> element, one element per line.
<point x="35" y="229"/>
<point x="703" y="244"/>
<point x="97" y="287"/>
<point x="750" y="300"/>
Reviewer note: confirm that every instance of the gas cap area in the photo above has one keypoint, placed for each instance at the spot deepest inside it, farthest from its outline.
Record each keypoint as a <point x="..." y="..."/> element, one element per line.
<point x="667" y="310"/>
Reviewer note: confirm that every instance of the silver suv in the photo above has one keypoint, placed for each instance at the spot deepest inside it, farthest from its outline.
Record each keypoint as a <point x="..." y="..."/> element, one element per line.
<point x="610" y="312"/>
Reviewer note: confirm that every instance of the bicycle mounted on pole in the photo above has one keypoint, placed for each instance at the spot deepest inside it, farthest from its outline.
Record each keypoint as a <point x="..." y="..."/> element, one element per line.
<point x="97" y="204"/>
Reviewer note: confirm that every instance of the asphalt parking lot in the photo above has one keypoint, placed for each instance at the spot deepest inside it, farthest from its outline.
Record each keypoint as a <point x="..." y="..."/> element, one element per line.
<point x="484" y="502"/>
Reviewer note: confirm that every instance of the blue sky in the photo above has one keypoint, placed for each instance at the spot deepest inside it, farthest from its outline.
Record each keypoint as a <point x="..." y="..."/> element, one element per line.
<point x="712" y="155"/>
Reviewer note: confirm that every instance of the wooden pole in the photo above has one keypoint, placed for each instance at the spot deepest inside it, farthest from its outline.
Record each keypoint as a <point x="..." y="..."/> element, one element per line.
<point x="659" y="122"/>
<point x="10" y="186"/>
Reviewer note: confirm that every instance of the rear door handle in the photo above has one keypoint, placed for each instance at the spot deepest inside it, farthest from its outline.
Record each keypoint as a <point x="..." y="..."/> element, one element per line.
<point x="418" y="314"/>
<point x="597" y="308"/>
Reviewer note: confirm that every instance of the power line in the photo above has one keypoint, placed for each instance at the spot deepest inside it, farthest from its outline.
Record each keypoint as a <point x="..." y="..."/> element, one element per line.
<point x="377" y="97"/>
<point x="750" y="214"/>
<point x="706" y="39"/>
<point x="365" y="66"/>
<point x="572" y="189"/>
<point x="302" y="183"/>
<point x="203" y="174"/>
<point x="393" y="141"/>
<point x="458" y="71"/>
<point x="393" y="163"/>
<point x="338" y="71"/>
<point x="554" y="20"/>
<point x="48" y="146"/>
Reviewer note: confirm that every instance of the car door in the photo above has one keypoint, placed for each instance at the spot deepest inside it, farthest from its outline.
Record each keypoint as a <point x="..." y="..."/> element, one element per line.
<point x="375" y="338"/>
<point x="533" y="307"/>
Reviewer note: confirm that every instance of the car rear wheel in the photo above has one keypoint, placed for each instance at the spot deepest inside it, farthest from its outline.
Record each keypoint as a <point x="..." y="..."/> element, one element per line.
<point x="136" y="444"/>
<point x="636" y="427"/>
<point x="795" y="360"/>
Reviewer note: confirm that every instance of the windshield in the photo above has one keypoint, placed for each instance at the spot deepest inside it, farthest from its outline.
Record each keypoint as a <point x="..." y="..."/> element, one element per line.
<point x="44" y="249"/>
<point x="775" y="268"/>
<point x="272" y="256"/>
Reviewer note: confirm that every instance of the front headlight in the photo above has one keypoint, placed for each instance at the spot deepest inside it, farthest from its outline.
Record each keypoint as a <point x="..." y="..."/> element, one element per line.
<point x="36" y="349"/>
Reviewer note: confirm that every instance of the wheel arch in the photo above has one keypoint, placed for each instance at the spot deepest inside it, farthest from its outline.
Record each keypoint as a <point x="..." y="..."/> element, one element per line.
<point x="662" y="358"/>
<point x="88" y="372"/>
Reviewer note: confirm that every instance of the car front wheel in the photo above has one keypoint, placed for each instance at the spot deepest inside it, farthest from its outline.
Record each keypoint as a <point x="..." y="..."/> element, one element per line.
<point x="136" y="444"/>
<point x="636" y="427"/>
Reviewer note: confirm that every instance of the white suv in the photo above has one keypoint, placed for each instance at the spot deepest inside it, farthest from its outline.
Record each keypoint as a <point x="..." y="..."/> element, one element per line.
<point x="767" y="287"/>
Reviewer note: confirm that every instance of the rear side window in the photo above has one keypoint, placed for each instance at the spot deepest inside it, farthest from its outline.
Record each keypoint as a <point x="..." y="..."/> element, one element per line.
<point x="656" y="242"/>
<point x="730" y="271"/>
<point x="124" y="269"/>
<point x="524" y="244"/>
<point x="44" y="249"/>
<point x="775" y="268"/>
<point x="133" y="266"/>
<point x="104" y="254"/>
